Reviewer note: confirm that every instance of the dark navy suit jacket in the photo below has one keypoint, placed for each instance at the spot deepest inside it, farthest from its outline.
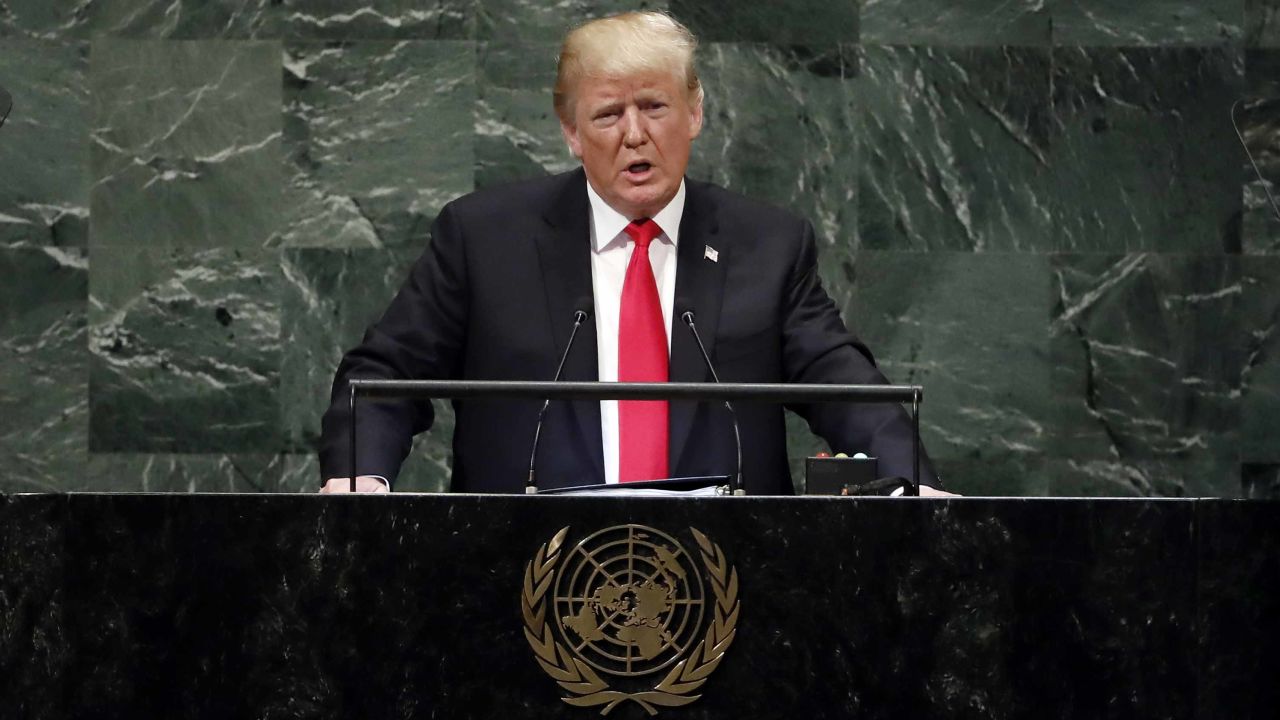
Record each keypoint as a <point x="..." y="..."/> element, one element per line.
<point x="493" y="298"/>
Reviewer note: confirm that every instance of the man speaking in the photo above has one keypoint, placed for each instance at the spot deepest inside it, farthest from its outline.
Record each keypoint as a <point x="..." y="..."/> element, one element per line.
<point x="629" y="240"/>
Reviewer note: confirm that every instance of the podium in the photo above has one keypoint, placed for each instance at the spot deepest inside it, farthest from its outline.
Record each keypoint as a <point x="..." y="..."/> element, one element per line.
<point x="275" y="606"/>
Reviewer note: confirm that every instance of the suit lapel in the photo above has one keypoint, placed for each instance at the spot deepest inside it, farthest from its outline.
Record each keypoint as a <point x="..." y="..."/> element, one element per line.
<point x="700" y="288"/>
<point x="564" y="252"/>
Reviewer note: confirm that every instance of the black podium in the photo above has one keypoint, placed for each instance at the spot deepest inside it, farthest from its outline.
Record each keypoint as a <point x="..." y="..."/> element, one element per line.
<point x="239" y="606"/>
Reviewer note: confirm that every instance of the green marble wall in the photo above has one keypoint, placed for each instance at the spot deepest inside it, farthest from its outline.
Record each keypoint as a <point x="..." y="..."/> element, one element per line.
<point x="1038" y="209"/>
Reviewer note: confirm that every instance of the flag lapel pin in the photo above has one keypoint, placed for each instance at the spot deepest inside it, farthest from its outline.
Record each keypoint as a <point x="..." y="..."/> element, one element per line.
<point x="711" y="254"/>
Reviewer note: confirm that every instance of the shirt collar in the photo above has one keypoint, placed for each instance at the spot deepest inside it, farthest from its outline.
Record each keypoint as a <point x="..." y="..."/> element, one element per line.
<point x="607" y="224"/>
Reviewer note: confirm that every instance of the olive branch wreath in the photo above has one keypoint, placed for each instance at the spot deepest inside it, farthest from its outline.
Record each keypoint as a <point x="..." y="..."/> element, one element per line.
<point x="586" y="686"/>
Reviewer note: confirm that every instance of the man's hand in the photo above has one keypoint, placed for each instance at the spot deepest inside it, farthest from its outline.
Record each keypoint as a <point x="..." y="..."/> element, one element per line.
<point x="926" y="491"/>
<point x="364" y="484"/>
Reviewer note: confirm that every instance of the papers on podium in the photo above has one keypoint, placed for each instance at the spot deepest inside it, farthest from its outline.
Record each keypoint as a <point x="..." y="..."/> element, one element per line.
<point x="704" y="486"/>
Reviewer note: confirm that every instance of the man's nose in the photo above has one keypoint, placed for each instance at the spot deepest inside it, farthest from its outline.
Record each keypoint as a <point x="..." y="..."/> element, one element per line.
<point x="635" y="133"/>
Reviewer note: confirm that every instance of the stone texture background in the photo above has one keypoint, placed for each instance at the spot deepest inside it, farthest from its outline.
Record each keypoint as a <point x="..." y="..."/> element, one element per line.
<point x="1038" y="209"/>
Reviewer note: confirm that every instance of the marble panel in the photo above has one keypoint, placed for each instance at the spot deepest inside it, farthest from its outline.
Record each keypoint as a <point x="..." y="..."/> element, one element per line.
<point x="44" y="19"/>
<point x="379" y="136"/>
<point x="1260" y="480"/>
<point x="1262" y="23"/>
<point x="776" y="128"/>
<point x="801" y="444"/>
<point x="1261" y="224"/>
<point x="34" y="643"/>
<point x="1262" y="72"/>
<point x="517" y="134"/>
<point x="1146" y="357"/>
<point x="1198" y="476"/>
<point x="1257" y="118"/>
<point x="44" y="144"/>
<point x="330" y="298"/>
<point x="188" y="473"/>
<point x="1143" y="155"/>
<point x="800" y="22"/>
<point x="133" y="18"/>
<point x="177" y="19"/>
<point x="185" y="147"/>
<point x="1260" y="366"/>
<point x="186" y="352"/>
<point x="44" y="388"/>
<point x="373" y="19"/>
<point x="34" y="18"/>
<point x="300" y="473"/>
<point x="969" y="328"/>
<point x="1147" y="23"/>
<point x="531" y="21"/>
<point x="955" y="149"/>
<point x="942" y="22"/>
<point x="1004" y="475"/>
<point x="206" y="19"/>
<point x="1239" y="608"/>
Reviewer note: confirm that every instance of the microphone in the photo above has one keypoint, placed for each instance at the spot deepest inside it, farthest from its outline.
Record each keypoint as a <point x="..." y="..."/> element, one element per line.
<point x="687" y="318"/>
<point x="6" y="104"/>
<point x="583" y="310"/>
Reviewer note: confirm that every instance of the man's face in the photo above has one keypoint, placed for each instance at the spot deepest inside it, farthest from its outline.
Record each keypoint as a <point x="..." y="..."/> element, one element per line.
<point x="633" y="136"/>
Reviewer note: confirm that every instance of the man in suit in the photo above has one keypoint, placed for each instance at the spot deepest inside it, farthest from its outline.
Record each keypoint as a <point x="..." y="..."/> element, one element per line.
<point x="629" y="238"/>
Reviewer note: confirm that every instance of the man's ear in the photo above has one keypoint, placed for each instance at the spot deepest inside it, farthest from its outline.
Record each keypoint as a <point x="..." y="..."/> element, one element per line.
<point x="695" y="119"/>
<point x="570" y="133"/>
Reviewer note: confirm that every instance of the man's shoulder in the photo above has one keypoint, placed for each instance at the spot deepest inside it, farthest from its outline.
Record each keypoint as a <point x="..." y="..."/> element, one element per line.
<point x="532" y="195"/>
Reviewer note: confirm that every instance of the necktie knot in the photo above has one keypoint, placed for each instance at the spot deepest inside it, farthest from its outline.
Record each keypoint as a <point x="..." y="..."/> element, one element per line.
<point x="643" y="231"/>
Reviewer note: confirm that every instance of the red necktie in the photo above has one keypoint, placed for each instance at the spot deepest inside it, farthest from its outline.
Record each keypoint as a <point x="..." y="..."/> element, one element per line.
<point x="642" y="357"/>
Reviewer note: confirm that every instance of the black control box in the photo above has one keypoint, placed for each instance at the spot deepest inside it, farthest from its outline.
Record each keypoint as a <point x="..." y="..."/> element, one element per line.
<point x="831" y="475"/>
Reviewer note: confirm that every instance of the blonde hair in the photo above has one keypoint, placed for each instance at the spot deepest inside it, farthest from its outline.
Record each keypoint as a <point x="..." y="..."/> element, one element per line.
<point x="621" y="46"/>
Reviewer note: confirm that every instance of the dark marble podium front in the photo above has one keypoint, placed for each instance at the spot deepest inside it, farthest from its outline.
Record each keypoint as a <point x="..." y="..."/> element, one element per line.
<point x="269" y="606"/>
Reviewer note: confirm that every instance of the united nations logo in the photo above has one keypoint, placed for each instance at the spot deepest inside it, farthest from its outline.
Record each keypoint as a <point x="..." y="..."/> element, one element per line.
<point x="629" y="602"/>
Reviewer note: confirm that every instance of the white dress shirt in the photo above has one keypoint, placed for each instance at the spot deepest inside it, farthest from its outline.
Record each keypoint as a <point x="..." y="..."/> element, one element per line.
<point x="610" y="253"/>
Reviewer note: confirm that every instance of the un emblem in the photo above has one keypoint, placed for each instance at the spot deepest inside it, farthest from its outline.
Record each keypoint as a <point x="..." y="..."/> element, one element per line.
<point x="631" y="604"/>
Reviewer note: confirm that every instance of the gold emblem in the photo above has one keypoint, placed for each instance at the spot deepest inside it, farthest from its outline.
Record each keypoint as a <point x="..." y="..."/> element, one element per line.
<point x="631" y="604"/>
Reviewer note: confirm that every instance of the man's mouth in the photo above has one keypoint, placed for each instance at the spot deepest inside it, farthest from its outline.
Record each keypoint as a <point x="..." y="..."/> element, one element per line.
<point x="639" y="168"/>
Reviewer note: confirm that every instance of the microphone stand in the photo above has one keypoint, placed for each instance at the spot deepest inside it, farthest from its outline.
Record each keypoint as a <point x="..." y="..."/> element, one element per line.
<point x="6" y="104"/>
<point x="531" y="485"/>
<point x="737" y="488"/>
